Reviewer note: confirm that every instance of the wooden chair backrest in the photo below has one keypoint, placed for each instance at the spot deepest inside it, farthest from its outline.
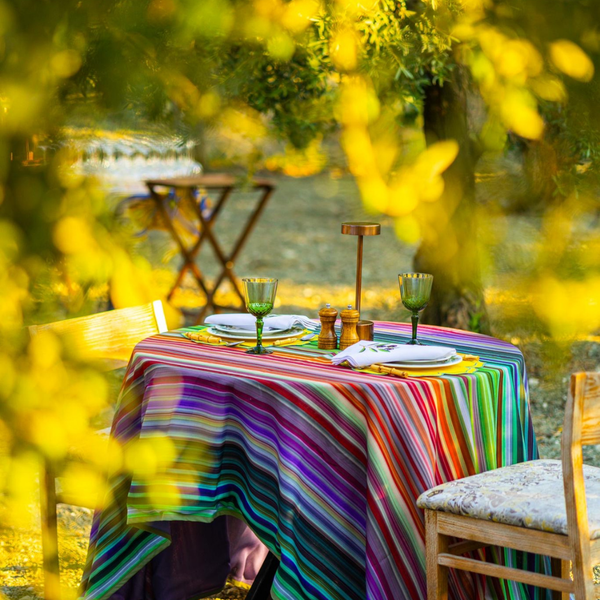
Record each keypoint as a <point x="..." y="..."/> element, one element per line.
<point x="581" y="428"/>
<point x="109" y="337"/>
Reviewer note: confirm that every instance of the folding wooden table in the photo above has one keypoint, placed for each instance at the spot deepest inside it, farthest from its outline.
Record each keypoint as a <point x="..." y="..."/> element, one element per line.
<point x="185" y="188"/>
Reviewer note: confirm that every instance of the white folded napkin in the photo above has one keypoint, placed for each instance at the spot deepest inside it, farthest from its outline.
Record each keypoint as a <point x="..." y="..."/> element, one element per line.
<point x="364" y="354"/>
<point x="248" y="321"/>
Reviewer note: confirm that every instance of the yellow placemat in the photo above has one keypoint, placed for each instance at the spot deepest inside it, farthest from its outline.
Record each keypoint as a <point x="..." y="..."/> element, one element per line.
<point x="201" y="336"/>
<point x="468" y="365"/>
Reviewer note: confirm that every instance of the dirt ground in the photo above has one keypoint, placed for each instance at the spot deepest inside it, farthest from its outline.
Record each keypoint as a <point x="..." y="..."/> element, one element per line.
<point x="298" y="240"/>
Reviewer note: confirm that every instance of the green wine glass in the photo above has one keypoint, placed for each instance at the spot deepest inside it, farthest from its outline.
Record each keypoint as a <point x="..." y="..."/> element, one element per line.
<point x="415" y="292"/>
<point x="260" y="297"/>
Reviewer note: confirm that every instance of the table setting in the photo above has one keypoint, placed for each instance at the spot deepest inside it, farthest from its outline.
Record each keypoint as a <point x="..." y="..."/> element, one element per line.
<point x="242" y="327"/>
<point x="319" y="435"/>
<point x="413" y="358"/>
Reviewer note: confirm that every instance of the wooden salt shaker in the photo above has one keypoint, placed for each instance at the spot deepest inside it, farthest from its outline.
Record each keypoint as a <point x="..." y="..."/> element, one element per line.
<point x="328" y="338"/>
<point x="349" y="335"/>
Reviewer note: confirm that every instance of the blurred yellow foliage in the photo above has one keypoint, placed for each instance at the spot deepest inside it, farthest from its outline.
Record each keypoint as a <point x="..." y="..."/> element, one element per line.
<point x="354" y="8"/>
<point x="244" y="122"/>
<point x="299" y="163"/>
<point x="344" y="50"/>
<point x="520" y="57"/>
<point x="358" y="104"/>
<point x="22" y="106"/>
<point x="372" y="157"/>
<point x="134" y="281"/>
<point x="435" y="160"/>
<point x="20" y="486"/>
<point x="83" y="486"/>
<point x="549" y="88"/>
<point x="569" y="58"/>
<point x="407" y="228"/>
<point x="149" y="456"/>
<point x="269" y="8"/>
<point x="163" y="494"/>
<point x="211" y="18"/>
<point x="45" y="350"/>
<point x="209" y="104"/>
<point x="570" y="308"/>
<point x="281" y="46"/>
<point x="66" y="63"/>
<point x="519" y="114"/>
<point x="403" y="195"/>
<point x="297" y="14"/>
<point x="72" y="235"/>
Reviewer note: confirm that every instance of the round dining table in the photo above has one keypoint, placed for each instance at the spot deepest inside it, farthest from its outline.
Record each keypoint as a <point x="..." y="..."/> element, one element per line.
<point x="321" y="463"/>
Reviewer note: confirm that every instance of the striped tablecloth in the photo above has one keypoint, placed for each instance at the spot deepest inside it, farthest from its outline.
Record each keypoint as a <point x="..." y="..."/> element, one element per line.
<point x="324" y="463"/>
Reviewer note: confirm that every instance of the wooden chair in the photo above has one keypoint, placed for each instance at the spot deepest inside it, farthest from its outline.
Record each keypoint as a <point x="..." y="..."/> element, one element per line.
<point x="527" y="513"/>
<point x="107" y="339"/>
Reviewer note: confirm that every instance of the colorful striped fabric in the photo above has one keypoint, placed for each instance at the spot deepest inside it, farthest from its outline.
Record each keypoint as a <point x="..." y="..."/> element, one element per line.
<point x="324" y="463"/>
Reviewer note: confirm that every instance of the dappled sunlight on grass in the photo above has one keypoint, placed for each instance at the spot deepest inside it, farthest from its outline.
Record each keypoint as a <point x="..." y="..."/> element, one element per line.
<point x="21" y="575"/>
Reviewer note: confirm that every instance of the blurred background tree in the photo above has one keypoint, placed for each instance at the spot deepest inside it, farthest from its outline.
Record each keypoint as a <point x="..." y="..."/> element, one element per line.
<point x="475" y="78"/>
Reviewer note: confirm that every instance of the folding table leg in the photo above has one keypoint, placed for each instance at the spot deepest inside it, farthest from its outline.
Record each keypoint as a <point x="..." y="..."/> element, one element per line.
<point x="261" y="588"/>
<point x="228" y="261"/>
<point x="188" y="256"/>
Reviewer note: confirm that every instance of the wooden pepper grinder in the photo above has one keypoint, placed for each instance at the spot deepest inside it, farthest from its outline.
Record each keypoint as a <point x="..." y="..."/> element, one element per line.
<point x="328" y="338"/>
<point x="349" y="335"/>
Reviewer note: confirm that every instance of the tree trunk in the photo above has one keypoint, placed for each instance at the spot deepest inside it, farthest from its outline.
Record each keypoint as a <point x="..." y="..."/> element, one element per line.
<point x="449" y="249"/>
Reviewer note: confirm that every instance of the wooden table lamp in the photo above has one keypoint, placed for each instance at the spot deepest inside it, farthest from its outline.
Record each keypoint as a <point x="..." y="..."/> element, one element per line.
<point x="360" y="229"/>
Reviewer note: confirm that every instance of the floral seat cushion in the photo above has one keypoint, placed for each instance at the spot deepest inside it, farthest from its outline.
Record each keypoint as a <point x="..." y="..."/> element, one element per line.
<point x="528" y="494"/>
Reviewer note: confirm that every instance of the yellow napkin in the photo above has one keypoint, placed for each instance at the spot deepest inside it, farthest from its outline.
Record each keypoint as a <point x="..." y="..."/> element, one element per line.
<point x="291" y="341"/>
<point x="200" y="336"/>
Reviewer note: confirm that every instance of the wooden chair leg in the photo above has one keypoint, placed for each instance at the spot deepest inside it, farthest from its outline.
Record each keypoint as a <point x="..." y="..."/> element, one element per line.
<point x="49" y="532"/>
<point x="583" y="581"/>
<point x="261" y="588"/>
<point x="562" y="569"/>
<point x="437" y="576"/>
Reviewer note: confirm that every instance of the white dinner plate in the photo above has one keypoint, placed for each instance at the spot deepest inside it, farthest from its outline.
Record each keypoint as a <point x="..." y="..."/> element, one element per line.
<point x="426" y="364"/>
<point x="251" y="335"/>
<point x="252" y="332"/>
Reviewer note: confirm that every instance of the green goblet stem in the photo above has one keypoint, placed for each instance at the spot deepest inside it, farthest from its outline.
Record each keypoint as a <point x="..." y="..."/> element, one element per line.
<point x="259" y="331"/>
<point x="415" y="321"/>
